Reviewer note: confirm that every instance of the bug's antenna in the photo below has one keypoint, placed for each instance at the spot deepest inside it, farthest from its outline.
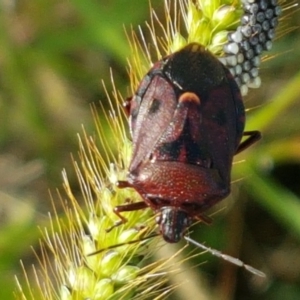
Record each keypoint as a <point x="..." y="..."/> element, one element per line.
<point x="226" y="257"/>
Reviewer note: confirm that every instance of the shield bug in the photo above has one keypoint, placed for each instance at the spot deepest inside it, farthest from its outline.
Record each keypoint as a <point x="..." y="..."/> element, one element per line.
<point x="187" y="121"/>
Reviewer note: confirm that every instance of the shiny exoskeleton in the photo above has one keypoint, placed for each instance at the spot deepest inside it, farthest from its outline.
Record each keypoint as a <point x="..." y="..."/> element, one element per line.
<point x="187" y="121"/>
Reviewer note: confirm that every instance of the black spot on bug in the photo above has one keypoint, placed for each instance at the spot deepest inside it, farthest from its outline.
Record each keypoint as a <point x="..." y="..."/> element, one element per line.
<point x="183" y="149"/>
<point x="171" y="150"/>
<point x="155" y="105"/>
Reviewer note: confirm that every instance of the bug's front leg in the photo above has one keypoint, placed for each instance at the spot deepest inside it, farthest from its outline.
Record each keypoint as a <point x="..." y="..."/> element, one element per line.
<point x="125" y="207"/>
<point x="204" y="218"/>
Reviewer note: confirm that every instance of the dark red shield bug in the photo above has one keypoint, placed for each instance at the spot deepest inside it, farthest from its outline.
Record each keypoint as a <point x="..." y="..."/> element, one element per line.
<point x="187" y="121"/>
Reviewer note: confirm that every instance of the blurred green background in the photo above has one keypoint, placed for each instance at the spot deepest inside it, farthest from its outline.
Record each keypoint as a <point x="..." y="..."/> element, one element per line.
<point x="53" y="56"/>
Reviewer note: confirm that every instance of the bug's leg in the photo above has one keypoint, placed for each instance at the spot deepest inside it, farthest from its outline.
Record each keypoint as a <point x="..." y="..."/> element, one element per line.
<point x="204" y="218"/>
<point x="126" y="207"/>
<point x="127" y="105"/>
<point x="253" y="137"/>
<point x="121" y="184"/>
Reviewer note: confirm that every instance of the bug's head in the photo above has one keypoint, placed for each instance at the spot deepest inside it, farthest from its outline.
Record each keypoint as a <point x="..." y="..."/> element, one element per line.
<point x="173" y="223"/>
